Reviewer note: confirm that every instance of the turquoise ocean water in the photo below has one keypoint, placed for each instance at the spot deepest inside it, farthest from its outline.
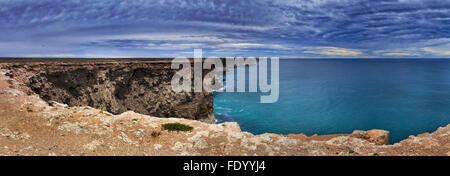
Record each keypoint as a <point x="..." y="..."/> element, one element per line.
<point x="329" y="96"/>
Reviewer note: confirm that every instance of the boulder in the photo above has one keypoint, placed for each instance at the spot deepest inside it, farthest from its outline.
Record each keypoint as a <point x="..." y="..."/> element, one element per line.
<point x="360" y="134"/>
<point x="379" y="137"/>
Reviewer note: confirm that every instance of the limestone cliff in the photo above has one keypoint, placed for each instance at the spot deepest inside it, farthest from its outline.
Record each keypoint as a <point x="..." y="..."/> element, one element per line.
<point x="29" y="125"/>
<point x="114" y="86"/>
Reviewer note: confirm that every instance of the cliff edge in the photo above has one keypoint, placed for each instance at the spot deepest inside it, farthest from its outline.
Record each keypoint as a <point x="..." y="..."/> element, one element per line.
<point x="31" y="125"/>
<point x="114" y="86"/>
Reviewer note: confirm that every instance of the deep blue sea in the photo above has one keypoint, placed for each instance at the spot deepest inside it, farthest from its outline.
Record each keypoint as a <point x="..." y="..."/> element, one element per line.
<point x="330" y="96"/>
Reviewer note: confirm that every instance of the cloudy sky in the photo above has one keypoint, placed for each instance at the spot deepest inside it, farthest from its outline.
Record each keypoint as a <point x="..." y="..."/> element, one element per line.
<point x="171" y="28"/>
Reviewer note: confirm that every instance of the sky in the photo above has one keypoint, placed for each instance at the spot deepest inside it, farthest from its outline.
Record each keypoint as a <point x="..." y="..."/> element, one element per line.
<point x="225" y="28"/>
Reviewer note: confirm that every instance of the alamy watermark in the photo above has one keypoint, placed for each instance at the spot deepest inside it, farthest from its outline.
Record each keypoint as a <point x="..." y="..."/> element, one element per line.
<point x="214" y="79"/>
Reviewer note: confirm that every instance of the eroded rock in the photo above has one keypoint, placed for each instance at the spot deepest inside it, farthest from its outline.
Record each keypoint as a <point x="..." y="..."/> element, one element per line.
<point x="62" y="130"/>
<point x="379" y="137"/>
<point x="115" y="87"/>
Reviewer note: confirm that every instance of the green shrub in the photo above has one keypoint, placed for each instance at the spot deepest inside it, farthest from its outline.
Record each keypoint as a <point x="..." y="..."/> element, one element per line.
<point x="177" y="127"/>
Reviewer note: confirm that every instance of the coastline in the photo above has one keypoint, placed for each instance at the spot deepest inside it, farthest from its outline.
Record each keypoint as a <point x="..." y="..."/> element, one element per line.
<point x="33" y="126"/>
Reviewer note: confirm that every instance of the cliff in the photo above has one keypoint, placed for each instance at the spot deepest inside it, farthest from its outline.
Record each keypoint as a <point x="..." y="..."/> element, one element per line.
<point x="36" y="119"/>
<point x="115" y="86"/>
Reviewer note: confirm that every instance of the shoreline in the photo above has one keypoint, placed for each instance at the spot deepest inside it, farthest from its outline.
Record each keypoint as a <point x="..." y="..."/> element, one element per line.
<point x="37" y="127"/>
<point x="89" y="131"/>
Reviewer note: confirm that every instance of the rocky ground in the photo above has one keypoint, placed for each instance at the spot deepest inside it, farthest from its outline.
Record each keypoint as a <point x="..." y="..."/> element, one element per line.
<point x="31" y="126"/>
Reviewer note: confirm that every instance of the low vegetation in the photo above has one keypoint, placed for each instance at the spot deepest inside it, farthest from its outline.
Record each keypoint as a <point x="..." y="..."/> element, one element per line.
<point x="177" y="127"/>
<point x="156" y="133"/>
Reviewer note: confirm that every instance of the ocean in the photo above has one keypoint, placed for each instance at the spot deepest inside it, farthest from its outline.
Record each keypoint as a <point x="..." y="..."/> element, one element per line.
<point x="334" y="96"/>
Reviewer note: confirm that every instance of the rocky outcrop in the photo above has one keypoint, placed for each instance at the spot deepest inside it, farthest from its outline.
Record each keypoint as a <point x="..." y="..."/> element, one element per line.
<point x="30" y="125"/>
<point x="379" y="137"/>
<point x="375" y="136"/>
<point x="116" y="87"/>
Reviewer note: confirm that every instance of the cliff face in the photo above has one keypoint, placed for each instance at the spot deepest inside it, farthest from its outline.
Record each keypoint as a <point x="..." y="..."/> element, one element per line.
<point x="116" y="87"/>
<point x="29" y="125"/>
